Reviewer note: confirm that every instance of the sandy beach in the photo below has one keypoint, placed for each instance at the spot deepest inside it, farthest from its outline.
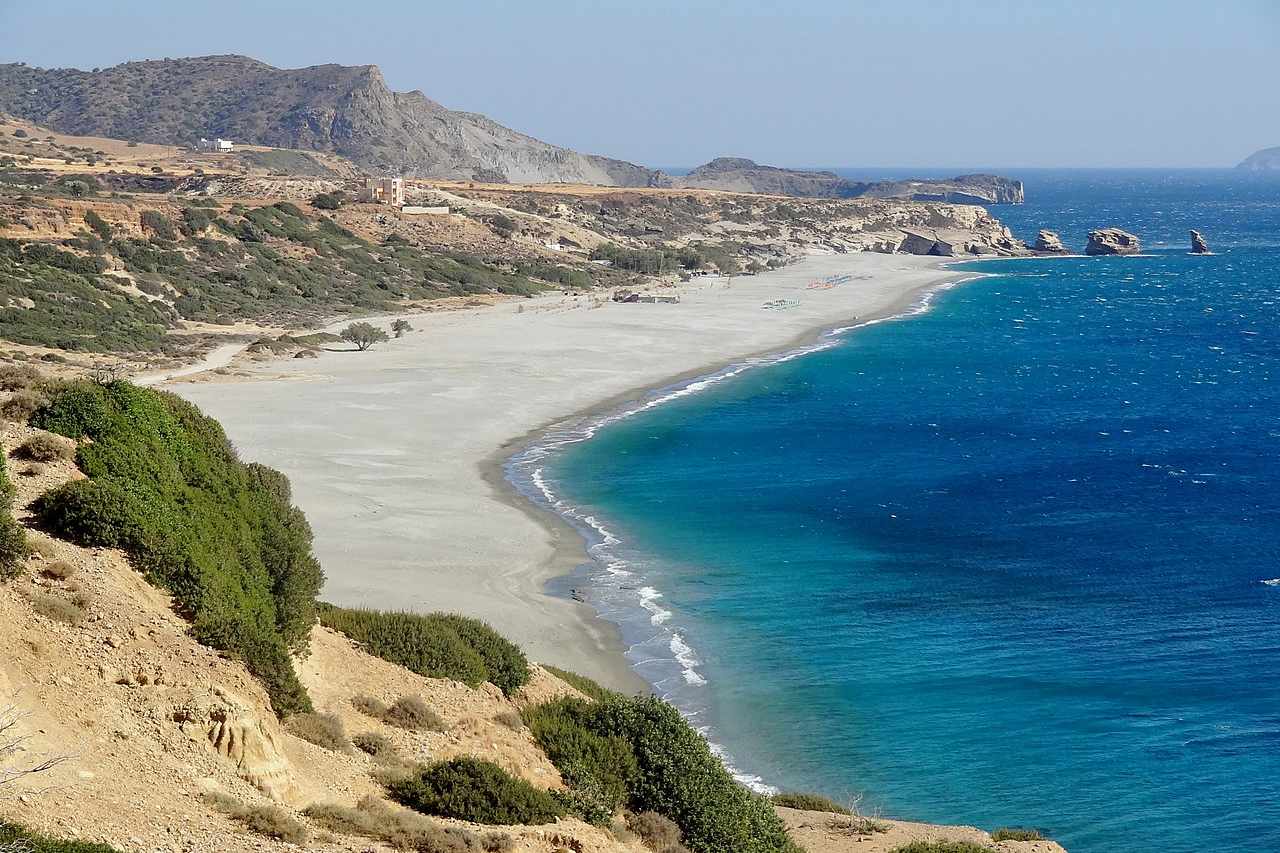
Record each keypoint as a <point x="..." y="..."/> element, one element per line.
<point x="395" y="453"/>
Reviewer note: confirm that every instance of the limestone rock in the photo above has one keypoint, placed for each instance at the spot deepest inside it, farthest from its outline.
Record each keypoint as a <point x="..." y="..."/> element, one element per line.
<point x="1049" y="242"/>
<point x="253" y="746"/>
<point x="1112" y="241"/>
<point x="1198" y="245"/>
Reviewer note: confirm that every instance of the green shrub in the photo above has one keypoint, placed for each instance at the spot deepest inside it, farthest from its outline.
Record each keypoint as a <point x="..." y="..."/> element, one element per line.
<point x="675" y="774"/>
<point x="324" y="730"/>
<point x="1012" y="833"/>
<point x="941" y="847"/>
<point x="477" y="791"/>
<point x="165" y="485"/>
<point x="602" y="765"/>
<point x="809" y="803"/>
<point x="99" y="225"/>
<point x="159" y="225"/>
<point x="13" y="546"/>
<point x="583" y="684"/>
<point x="17" y="838"/>
<point x="328" y="201"/>
<point x="435" y="645"/>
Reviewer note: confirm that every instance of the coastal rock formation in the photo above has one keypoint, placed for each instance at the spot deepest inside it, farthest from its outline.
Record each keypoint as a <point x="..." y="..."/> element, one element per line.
<point x="1266" y="160"/>
<point x="1049" y="243"/>
<point x="1198" y="245"/>
<point x="1112" y="241"/>
<point x="738" y="174"/>
<point x="347" y="110"/>
<point x="950" y="243"/>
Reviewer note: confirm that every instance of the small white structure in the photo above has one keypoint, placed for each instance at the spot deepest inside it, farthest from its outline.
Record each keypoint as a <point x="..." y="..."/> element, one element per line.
<point x="222" y="146"/>
<point x="384" y="191"/>
<point x="419" y="210"/>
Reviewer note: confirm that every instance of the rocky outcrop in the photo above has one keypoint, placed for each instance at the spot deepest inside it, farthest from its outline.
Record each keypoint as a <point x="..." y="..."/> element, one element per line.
<point x="738" y="174"/>
<point x="1049" y="243"/>
<point x="1112" y="241"/>
<point x="347" y="110"/>
<point x="250" y="744"/>
<point x="950" y="243"/>
<point x="1266" y="160"/>
<point x="1198" y="245"/>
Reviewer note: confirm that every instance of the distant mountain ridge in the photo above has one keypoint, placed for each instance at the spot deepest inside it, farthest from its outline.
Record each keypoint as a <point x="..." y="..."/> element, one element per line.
<point x="738" y="174"/>
<point x="347" y="110"/>
<point x="1266" y="160"/>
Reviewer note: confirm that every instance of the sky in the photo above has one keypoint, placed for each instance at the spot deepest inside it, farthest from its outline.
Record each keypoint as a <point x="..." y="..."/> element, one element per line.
<point x="930" y="83"/>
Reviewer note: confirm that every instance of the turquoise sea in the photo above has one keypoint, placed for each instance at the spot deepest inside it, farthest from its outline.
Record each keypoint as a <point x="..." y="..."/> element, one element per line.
<point x="1014" y="559"/>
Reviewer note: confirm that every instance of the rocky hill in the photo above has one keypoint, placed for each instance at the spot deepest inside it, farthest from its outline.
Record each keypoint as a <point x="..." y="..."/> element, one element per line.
<point x="1266" y="160"/>
<point x="737" y="174"/>
<point x="348" y="110"/>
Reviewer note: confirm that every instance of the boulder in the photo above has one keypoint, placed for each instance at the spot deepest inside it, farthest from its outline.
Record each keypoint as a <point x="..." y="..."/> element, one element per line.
<point x="1198" y="245"/>
<point x="916" y="243"/>
<point x="1112" y="241"/>
<point x="1049" y="243"/>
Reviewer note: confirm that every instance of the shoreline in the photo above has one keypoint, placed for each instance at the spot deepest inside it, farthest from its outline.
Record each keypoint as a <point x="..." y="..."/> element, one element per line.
<point x="474" y="536"/>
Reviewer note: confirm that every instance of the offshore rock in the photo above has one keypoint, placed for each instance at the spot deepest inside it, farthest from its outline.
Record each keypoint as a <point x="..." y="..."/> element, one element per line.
<point x="1049" y="243"/>
<point x="1198" y="245"/>
<point x="1112" y="241"/>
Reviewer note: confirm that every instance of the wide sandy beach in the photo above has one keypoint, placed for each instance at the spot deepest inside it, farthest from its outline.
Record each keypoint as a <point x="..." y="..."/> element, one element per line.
<point x="395" y="453"/>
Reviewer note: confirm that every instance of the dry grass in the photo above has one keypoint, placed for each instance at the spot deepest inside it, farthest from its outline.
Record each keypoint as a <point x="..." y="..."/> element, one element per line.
<point x="58" y="570"/>
<point x="374" y="744"/>
<point x="403" y="829"/>
<point x="44" y="548"/>
<point x="369" y="706"/>
<point x="17" y="377"/>
<point x="510" y="719"/>
<point x="411" y="713"/>
<point x="46" y="447"/>
<point x="21" y="406"/>
<point x="323" y="730"/>
<point x="270" y="821"/>
<point x="60" y="609"/>
<point x="657" y="832"/>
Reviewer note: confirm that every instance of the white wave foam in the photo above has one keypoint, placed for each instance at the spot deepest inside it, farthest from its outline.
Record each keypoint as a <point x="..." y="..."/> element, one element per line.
<point x="687" y="660"/>
<point x="648" y="600"/>
<point x="1272" y="582"/>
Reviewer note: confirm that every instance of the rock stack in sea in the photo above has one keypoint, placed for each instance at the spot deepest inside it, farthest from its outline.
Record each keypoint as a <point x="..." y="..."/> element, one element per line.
<point x="1049" y="242"/>
<point x="1112" y="241"/>
<point x="1198" y="245"/>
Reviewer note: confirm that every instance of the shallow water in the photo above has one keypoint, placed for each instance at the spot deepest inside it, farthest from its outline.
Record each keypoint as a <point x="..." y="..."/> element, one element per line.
<point x="1013" y="560"/>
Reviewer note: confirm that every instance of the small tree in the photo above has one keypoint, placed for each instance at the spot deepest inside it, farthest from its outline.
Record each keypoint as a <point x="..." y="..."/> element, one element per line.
<point x="363" y="335"/>
<point x="400" y="327"/>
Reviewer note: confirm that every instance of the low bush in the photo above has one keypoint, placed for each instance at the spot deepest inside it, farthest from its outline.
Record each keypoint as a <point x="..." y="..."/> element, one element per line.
<point x="374" y="744"/>
<point x="269" y="821"/>
<point x="477" y="791"/>
<point x="403" y="829"/>
<point x="369" y="706"/>
<point x="99" y="225"/>
<point x="13" y="537"/>
<point x="941" y="847"/>
<point x="58" y="570"/>
<point x="436" y="645"/>
<point x="510" y="719"/>
<point x="17" y="377"/>
<point x="410" y="712"/>
<point x="582" y="684"/>
<point x="600" y="764"/>
<point x="21" y="406"/>
<point x="1013" y="833"/>
<point x="657" y="832"/>
<point x="58" y="609"/>
<point x="165" y="485"/>
<point x="46" y="447"/>
<point x="809" y="803"/>
<point x="159" y="225"/>
<point x="324" y="730"/>
<point x="17" y="838"/>
<point x="674" y="772"/>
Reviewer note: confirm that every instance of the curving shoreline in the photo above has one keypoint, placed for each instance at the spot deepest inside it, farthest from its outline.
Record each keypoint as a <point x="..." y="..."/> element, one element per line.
<point x="411" y="508"/>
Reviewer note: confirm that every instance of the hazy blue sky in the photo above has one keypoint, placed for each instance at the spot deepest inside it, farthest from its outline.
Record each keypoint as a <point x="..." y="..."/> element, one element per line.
<point x="668" y="83"/>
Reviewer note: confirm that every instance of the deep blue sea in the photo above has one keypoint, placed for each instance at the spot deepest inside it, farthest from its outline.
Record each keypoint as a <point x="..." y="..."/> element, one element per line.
<point x="1013" y="560"/>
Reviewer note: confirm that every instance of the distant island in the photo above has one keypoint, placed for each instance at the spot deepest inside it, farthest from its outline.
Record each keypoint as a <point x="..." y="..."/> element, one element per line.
<point x="1266" y="160"/>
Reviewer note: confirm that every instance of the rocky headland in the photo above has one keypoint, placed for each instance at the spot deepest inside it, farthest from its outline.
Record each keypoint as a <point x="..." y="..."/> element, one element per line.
<point x="1266" y="160"/>
<point x="1112" y="241"/>
<point x="738" y="174"/>
<point x="1198" y="245"/>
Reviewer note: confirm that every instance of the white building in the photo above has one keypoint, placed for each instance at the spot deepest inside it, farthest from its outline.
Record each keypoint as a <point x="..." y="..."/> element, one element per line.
<point x="222" y="146"/>
<point x="384" y="191"/>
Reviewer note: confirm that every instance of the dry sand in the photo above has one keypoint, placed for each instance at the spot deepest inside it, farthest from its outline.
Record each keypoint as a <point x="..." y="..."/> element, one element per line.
<point x="394" y="453"/>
